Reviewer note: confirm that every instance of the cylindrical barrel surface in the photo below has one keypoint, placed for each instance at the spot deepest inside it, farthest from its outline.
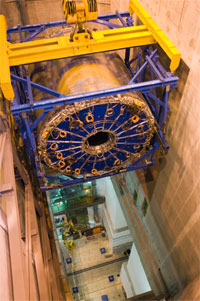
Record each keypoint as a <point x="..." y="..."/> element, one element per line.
<point x="95" y="136"/>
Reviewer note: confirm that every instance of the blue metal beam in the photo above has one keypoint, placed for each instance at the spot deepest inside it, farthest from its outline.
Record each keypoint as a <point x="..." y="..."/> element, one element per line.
<point x="154" y="68"/>
<point x="88" y="179"/>
<point x="153" y="111"/>
<point x="49" y="103"/>
<point x="37" y="86"/>
<point x="121" y="18"/>
<point x="35" y="34"/>
<point x="32" y="28"/>
<point x="156" y="99"/>
<point x="56" y="178"/>
<point x="110" y="25"/>
<point x="37" y="121"/>
<point x="30" y="135"/>
<point x="142" y="68"/>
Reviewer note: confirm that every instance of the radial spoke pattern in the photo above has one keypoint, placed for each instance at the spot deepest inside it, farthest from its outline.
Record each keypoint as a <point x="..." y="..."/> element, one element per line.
<point x="97" y="136"/>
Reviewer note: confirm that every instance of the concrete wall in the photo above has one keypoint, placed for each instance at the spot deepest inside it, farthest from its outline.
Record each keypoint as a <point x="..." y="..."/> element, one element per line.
<point x="105" y="188"/>
<point x="32" y="12"/>
<point x="116" y="215"/>
<point x="5" y="270"/>
<point x="133" y="276"/>
<point x="136" y="272"/>
<point x="120" y="5"/>
<point x="113" y="218"/>
<point x="175" y="196"/>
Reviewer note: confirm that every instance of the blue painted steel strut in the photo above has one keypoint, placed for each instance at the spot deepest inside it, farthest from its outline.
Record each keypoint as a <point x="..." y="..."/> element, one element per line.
<point x="159" y="106"/>
<point x="49" y="103"/>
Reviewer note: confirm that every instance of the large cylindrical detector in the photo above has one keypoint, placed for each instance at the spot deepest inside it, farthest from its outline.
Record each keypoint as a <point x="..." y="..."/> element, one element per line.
<point x="98" y="136"/>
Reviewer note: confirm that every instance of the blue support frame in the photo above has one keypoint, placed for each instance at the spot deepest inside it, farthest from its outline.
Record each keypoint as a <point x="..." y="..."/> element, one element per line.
<point x="48" y="104"/>
<point x="35" y="30"/>
<point x="146" y="62"/>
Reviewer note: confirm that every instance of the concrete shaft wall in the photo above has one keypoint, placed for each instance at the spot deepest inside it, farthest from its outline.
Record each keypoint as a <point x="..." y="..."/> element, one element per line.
<point x="33" y="12"/>
<point x="174" y="196"/>
<point x="174" y="199"/>
<point x="113" y="218"/>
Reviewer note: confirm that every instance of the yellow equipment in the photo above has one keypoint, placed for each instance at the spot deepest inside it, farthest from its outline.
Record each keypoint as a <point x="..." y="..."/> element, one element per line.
<point x="79" y="12"/>
<point x="69" y="243"/>
<point x="14" y="54"/>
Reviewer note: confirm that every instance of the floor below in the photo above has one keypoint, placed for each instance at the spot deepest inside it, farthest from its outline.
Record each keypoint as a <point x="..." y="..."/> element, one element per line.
<point x="89" y="270"/>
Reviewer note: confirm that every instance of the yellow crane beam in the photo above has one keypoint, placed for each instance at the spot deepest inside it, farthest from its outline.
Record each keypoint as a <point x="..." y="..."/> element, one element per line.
<point x="55" y="48"/>
<point x="158" y="34"/>
<point x="62" y="47"/>
<point x="5" y="80"/>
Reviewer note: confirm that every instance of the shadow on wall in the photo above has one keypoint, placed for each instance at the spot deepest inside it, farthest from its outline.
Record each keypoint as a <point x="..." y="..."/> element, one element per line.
<point x="148" y="177"/>
<point x="191" y="292"/>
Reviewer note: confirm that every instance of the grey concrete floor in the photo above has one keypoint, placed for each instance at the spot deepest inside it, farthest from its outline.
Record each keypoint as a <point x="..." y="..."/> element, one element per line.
<point x="94" y="283"/>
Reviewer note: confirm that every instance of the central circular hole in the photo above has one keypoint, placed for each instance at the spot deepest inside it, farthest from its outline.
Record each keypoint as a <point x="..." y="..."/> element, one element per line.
<point x="98" y="139"/>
